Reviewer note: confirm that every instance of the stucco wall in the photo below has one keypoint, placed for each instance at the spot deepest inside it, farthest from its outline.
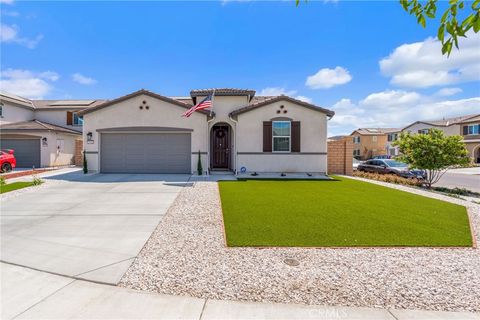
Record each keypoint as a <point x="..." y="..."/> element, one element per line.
<point x="313" y="140"/>
<point x="58" y="118"/>
<point x="449" y="131"/>
<point x="368" y="147"/>
<point x="128" y="114"/>
<point x="13" y="113"/>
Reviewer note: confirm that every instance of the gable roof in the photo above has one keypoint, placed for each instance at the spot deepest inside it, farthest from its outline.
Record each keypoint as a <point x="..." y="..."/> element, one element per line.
<point x="375" y="131"/>
<point x="16" y="99"/>
<point x="271" y="100"/>
<point x="35" y="125"/>
<point x="138" y="93"/>
<point x="445" y="122"/>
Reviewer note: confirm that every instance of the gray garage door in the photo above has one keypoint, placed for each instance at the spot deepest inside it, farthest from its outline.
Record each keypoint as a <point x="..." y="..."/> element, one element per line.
<point x="27" y="151"/>
<point x="145" y="153"/>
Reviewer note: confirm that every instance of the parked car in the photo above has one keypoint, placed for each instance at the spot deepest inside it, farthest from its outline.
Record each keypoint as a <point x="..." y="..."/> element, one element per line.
<point x="356" y="162"/>
<point x="383" y="156"/>
<point x="388" y="166"/>
<point x="7" y="160"/>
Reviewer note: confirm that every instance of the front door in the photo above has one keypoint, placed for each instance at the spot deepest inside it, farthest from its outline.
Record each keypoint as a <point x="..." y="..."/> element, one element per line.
<point x="220" y="147"/>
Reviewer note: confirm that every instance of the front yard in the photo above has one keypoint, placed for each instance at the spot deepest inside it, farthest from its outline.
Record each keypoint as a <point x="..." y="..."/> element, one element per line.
<point x="342" y="213"/>
<point x="15" y="186"/>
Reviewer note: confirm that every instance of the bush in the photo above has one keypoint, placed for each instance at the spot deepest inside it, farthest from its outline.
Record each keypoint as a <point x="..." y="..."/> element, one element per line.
<point x="85" y="165"/>
<point x="199" y="164"/>
<point x="36" y="181"/>
<point x="390" y="178"/>
<point x="2" y="181"/>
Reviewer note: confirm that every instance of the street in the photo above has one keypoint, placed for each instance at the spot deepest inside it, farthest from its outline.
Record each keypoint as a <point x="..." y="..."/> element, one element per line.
<point x="468" y="178"/>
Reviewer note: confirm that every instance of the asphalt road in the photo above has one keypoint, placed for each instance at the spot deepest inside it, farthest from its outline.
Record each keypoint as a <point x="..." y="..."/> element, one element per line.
<point x="461" y="178"/>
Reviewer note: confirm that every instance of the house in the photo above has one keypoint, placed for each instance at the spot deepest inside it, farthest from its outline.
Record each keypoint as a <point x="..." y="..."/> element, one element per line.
<point x="371" y="142"/>
<point x="144" y="132"/>
<point x="43" y="133"/>
<point x="467" y="126"/>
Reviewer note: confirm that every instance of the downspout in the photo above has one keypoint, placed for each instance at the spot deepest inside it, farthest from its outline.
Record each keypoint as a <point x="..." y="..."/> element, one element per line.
<point x="208" y="144"/>
<point x="235" y="143"/>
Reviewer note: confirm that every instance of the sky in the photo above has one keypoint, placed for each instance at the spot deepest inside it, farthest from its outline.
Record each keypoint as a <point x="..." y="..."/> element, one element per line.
<point x="368" y="61"/>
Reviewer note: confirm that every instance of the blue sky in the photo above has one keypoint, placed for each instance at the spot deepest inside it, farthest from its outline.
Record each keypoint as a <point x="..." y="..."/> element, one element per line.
<point x="329" y="53"/>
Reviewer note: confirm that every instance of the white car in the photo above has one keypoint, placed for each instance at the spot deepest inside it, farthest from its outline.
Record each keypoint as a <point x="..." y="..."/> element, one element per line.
<point x="356" y="163"/>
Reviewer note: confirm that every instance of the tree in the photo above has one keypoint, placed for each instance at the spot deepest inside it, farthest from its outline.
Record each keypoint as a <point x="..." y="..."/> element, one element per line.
<point x="433" y="152"/>
<point x="450" y="22"/>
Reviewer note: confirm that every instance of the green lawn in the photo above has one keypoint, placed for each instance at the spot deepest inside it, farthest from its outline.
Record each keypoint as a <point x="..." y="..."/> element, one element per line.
<point x="339" y="213"/>
<point x="14" y="186"/>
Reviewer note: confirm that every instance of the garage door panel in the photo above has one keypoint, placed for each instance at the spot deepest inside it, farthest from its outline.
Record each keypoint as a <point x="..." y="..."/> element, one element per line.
<point x="145" y="152"/>
<point x="27" y="151"/>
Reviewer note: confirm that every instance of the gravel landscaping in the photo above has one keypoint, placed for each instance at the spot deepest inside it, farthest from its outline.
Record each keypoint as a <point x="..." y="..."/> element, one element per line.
<point x="186" y="255"/>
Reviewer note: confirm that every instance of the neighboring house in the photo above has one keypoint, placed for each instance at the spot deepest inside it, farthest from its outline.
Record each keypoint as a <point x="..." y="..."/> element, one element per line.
<point x="371" y="142"/>
<point x="466" y="126"/>
<point x="144" y="132"/>
<point x="42" y="133"/>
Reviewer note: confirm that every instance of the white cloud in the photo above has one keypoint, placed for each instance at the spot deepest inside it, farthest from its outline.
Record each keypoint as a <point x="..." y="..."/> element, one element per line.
<point x="6" y="1"/>
<point x="9" y="34"/>
<point x="395" y="108"/>
<point x="278" y="91"/>
<point x="446" y="92"/>
<point x="26" y="83"/>
<point x="8" y="13"/>
<point x="79" y="78"/>
<point x="304" y="99"/>
<point x="422" y="65"/>
<point x="327" y="78"/>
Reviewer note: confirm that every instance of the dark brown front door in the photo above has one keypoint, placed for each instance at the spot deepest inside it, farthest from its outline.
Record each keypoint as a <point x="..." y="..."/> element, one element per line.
<point x="220" y="147"/>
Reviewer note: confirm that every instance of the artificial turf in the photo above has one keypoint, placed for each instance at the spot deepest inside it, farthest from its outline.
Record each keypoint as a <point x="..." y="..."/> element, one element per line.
<point x="341" y="213"/>
<point x="14" y="186"/>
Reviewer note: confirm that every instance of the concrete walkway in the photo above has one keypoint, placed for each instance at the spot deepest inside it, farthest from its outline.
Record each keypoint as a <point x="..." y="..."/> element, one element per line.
<point x="85" y="226"/>
<point x="30" y="294"/>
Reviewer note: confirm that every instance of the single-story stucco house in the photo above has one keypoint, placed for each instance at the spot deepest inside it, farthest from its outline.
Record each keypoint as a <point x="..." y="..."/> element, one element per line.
<point x="144" y="132"/>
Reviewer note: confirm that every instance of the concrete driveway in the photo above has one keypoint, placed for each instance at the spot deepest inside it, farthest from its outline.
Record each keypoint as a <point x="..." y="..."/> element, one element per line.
<point x="89" y="227"/>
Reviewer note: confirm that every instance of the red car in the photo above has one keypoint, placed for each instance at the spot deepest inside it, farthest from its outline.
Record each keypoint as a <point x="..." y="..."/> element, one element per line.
<point x="7" y="160"/>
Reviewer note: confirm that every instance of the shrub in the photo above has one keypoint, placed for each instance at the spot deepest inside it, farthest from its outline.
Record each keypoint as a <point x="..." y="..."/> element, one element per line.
<point x="390" y="178"/>
<point x="2" y="181"/>
<point x="85" y="165"/>
<point x="199" y="164"/>
<point x="36" y="181"/>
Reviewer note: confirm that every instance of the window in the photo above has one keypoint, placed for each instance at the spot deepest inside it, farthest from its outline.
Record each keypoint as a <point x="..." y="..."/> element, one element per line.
<point x="281" y="132"/>
<point x="356" y="153"/>
<point x="374" y="138"/>
<point x="77" y="120"/>
<point x="356" y="139"/>
<point x="423" y="131"/>
<point x="472" y="129"/>
<point x="392" y="137"/>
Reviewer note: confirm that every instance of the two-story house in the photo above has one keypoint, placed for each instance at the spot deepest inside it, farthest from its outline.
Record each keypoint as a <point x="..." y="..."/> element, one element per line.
<point x="371" y="142"/>
<point x="43" y="133"/>
<point x="466" y="126"/>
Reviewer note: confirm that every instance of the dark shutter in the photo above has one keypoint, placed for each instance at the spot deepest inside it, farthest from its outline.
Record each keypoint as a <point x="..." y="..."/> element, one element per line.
<point x="69" y="118"/>
<point x="267" y="136"/>
<point x="465" y="130"/>
<point x="295" y="136"/>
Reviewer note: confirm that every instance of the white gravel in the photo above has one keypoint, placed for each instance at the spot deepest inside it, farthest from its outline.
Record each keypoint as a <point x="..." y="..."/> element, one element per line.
<point x="186" y="255"/>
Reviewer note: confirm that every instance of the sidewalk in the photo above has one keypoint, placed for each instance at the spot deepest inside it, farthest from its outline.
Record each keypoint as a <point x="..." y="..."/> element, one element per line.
<point x="30" y="294"/>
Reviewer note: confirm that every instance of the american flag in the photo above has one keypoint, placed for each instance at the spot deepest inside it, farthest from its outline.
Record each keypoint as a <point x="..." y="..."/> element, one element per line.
<point x="204" y="104"/>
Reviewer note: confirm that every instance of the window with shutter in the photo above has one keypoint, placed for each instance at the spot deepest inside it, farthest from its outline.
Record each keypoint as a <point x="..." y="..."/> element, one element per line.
<point x="69" y="118"/>
<point x="267" y="136"/>
<point x="295" y="136"/>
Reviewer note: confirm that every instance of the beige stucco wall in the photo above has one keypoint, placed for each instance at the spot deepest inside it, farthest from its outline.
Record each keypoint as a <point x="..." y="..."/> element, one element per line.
<point x="127" y="114"/>
<point x="449" y="131"/>
<point x="58" y="118"/>
<point x="14" y="113"/>
<point x="368" y="147"/>
<point x="313" y="133"/>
